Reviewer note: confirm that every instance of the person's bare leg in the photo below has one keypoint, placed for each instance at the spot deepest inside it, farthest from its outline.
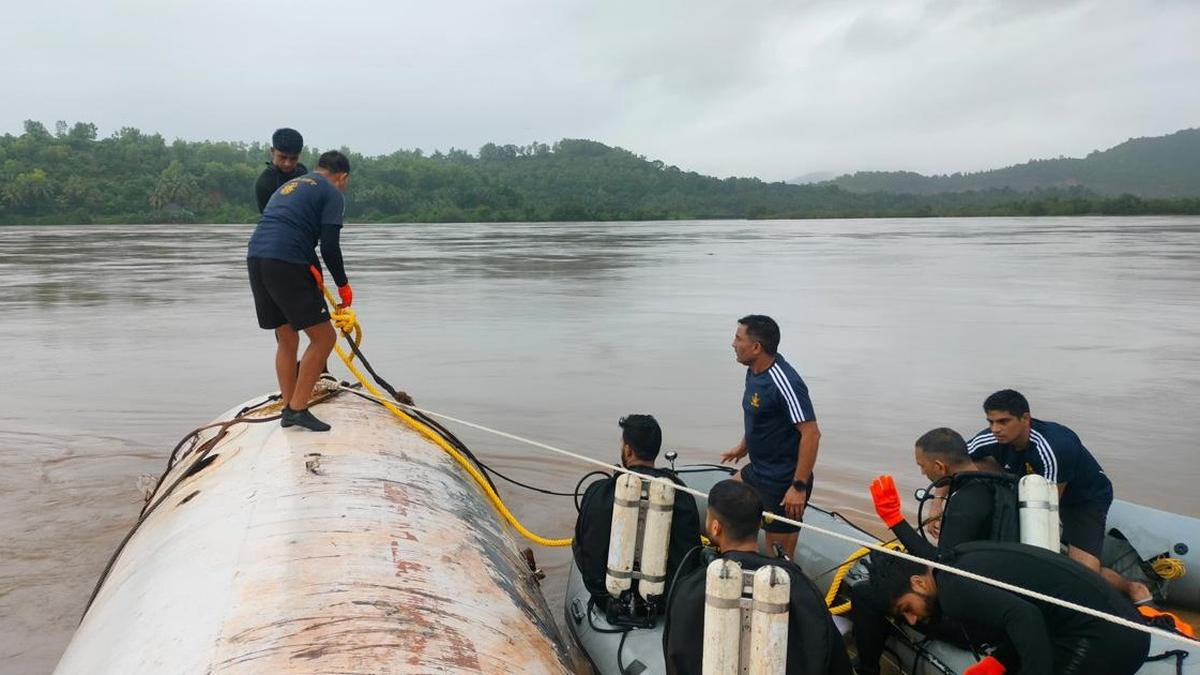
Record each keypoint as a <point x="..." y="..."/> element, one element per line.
<point x="786" y="541"/>
<point x="1136" y="591"/>
<point x="321" y="339"/>
<point x="287" y="344"/>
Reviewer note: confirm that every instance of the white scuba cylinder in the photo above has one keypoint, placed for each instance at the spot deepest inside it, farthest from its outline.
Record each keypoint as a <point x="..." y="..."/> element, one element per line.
<point x="656" y="538"/>
<point x="722" y="617"/>
<point x="1055" y="541"/>
<point x="1033" y="500"/>
<point x="769" y="621"/>
<point x="622" y="538"/>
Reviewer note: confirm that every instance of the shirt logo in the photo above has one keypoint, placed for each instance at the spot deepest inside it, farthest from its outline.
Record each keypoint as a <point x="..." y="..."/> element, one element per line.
<point x="1029" y="469"/>
<point x="754" y="400"/>
<point x="289" y="187"/>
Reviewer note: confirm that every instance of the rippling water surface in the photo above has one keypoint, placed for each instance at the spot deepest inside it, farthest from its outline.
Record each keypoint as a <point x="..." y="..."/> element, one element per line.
<point x="121" y="339"/>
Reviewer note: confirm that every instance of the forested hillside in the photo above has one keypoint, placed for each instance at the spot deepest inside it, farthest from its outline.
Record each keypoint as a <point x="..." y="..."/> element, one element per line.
<point x="1162" y="166"/>
<point x="71" y="175"/>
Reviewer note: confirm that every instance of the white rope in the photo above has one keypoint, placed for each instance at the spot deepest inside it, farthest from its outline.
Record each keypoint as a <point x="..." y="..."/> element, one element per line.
<point x="837" y="535"/>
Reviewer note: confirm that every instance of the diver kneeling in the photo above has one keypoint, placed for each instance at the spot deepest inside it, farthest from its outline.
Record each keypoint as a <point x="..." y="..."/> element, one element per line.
<point x="1035" y="637"/>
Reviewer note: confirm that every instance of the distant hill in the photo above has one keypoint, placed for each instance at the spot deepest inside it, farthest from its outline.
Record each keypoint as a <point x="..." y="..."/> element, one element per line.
<point x="1159" y="166"/>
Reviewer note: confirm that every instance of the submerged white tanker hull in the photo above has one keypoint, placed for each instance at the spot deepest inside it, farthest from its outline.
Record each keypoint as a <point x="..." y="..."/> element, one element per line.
<point x="361" y="550"/>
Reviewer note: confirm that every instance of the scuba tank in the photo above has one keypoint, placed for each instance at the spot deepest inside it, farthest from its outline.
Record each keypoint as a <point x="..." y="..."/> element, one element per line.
<point x="745" y="619"/>
<point x="638" y="543"/>
<point x="1039" y="512"/>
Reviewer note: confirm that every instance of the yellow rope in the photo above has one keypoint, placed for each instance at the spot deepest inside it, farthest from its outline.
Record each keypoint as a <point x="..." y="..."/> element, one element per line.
<point x="831" y="595"/>
<point x="345" y="321"/>
<point x="1169" y="568"/>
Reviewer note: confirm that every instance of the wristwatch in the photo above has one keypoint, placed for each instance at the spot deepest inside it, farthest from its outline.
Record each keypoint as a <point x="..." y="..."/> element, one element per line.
<point x="801" y="485"/>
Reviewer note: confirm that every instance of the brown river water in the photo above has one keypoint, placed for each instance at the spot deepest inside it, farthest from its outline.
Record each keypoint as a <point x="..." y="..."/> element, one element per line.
<point x="121" y="339"/>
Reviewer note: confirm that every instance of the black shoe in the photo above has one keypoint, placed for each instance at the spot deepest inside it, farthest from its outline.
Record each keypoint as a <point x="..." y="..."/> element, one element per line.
<point x="302" y="418"/>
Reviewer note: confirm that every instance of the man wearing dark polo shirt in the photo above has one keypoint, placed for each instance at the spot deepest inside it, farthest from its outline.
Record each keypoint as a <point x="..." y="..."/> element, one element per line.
<point x="781" y="434"/>
<point x="286" y="281"/>
<point x="1019" y="444"/>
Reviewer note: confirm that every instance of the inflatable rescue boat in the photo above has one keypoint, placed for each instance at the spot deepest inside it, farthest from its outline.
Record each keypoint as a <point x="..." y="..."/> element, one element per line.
<point x="638" y="649"/>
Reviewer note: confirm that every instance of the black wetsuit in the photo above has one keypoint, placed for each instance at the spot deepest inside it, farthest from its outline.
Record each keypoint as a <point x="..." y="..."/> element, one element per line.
<point x="1039" y="637"/>
<point x="594" y="525"/>
<point x="814" y="645"/>
<point x="270" y="180"/>
<point x="969" y="516"/>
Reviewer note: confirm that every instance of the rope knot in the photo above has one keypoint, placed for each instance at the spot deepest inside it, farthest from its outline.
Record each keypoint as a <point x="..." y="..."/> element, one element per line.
<point x="344" y="319"/>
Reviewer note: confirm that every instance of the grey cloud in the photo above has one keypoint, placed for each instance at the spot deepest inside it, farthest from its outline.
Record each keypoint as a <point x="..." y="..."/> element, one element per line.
<point x="774" y="89"/>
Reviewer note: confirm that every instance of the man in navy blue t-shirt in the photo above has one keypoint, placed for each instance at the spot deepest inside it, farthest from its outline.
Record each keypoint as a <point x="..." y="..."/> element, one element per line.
<point x="781" y="433"/>
<point x="286" y="281"/>
<point x="1020" y="444"/>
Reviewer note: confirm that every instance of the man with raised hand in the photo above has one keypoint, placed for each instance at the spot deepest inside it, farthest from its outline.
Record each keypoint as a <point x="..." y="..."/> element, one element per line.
<point x="781" y="435"/>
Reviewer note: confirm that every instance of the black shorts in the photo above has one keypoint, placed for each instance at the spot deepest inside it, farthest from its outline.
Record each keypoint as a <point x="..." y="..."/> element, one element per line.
<point x="1083" y="526"/>
<point x="285" y="292"/>
<point x="771" y="493"/>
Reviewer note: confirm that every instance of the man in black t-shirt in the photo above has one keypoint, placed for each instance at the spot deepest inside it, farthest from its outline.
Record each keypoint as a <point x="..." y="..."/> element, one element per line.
<point x="970" y="515"/>
<point x="1035" y="637"/>
<point x="641" y="440"/>
<point x="286" y="145"/>
<point x="814" y="644"/>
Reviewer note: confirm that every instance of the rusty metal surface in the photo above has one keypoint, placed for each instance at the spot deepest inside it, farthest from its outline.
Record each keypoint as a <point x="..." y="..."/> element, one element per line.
<point x="364" y="550"/>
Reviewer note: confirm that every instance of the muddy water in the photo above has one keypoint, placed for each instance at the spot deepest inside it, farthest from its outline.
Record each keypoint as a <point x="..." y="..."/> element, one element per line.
<point x="121" y="339"/>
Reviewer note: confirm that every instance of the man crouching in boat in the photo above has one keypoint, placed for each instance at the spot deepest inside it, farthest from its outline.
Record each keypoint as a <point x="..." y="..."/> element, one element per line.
<point x="641" y="440"/>
<point x="979" y="507"/>
<point x="285" y="278"/>
<point x="1036" y="637"/>
<point x="814" y="645"/>
<point x="1020" y="444"/>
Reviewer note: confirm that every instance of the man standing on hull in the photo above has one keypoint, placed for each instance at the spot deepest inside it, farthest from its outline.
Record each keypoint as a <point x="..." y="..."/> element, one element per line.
<point x="285" y="278"/>
<point x="781" y="433"/>
<point x="286" y="145"/>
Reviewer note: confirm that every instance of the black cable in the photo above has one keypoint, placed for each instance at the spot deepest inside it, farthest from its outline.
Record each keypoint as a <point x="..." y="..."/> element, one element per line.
<point x="621" y="648"/>
<point x="597" y="472"/>
<point x="591" y="604"/>
<point x="1179" y="655"/>
<point x="671" y="592"/>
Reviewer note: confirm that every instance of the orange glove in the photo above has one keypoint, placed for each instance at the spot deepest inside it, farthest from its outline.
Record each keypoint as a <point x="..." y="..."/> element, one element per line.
<point x="988" y="666"/>
<point x="346" y="294"/>
<point x="887" y="500"/>
<point x="317" y="275"/>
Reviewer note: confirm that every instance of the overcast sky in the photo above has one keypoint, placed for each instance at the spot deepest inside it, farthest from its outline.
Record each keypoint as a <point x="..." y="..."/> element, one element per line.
<point x="741" y="87"/>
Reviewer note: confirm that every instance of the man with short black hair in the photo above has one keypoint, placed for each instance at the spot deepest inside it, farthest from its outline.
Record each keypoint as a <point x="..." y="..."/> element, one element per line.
<point x="781" y="435"/>
<point x="978" y="507"/>
<point x="1019" y="444"/>
<point x="814" y="644"/>
<point x="641" y="440"/>
<point x="1035" y="637"/>
<point x="286" y="146"/>
<point x="286" y="280"/>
